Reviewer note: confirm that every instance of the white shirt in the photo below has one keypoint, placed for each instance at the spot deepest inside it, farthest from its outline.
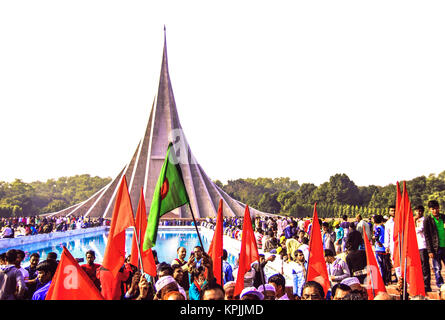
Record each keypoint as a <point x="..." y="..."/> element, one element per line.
<point x="419" y="233"/>
<point x="389" y="231"/>
<point x="25" y="274"/>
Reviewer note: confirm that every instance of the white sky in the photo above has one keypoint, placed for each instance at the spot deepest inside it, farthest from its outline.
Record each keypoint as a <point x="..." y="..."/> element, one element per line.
<point x="303" y="89"/>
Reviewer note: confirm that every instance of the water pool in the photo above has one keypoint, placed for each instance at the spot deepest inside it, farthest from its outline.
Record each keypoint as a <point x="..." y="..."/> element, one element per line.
<point x="166" y="245"/>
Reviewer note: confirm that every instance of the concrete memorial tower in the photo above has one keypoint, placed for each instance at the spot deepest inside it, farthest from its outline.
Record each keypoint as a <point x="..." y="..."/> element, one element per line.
<point x="143" y="169"/>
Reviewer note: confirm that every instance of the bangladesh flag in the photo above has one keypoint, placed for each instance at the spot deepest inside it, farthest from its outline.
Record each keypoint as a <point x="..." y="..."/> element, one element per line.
<point x="169" y="194"/>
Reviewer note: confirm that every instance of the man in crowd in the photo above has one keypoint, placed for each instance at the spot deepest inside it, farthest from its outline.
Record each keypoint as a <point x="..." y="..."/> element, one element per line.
<point x="382" y="256"/>
<point x="339" y="235"/>
<point x="229" y="289"/>
<point x="337" y="268"/>
<point x="259" y="273"/>
<point x="182" y="263"/>
<point x="178" y="275"/>
<point x="389" y="233"/>
<point x="299" y="269"/>
<point x="345" y="225"/>
<point x="268" y="291"/>
<point x="433" y="227"/>
<point x="91" y="268"/>
<point x="212" y="291"/>
<point x="424" y="258"/>
<point x="362" y="226"/>
<point x="12" y="284"/>
<point x="312" y="290"/>
<point x="339" y="291"/>
<point x="279" y="283"/>
<point x="46" y="270"/>
<point x="32" y="271"/>
<point x="227" y="268"/>
<point x="18" y="264"/>
<point x="328" y="237"/>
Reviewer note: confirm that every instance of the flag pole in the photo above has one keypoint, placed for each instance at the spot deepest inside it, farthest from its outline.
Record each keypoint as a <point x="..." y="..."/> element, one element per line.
<point x="404" y="280"/>
<point x="222" y="272"/>
<point x="139" y="250"/>
<point x="222" y="260"/>
<point x="196" y="227"/>
<point x="190" y="206"/>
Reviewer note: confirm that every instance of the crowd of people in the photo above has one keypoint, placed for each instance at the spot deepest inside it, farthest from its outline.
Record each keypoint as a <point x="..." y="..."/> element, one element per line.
<point x="28" y="226"/>
<point x="343" y="244"/>
<point x="192" y="278"/>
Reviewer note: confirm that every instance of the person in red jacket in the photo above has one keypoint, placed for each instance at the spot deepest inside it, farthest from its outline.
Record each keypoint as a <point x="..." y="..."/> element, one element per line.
<point x="91" y="268"/>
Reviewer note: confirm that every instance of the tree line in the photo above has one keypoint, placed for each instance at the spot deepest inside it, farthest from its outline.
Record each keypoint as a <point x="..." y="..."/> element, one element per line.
<point x="19" y="198"/>
<point x="336" y="197"/>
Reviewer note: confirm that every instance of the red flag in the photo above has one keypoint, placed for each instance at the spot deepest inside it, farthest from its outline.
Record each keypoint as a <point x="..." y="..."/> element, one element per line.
<point x="316" y="269"/>
<point x="148" y="260"/>
<point x="216" y="246"/>
<point x="121" y="219"/>
<point x="248" y="254"/>
<point x="398" y="226"/>
<point x="374" y="281"/>
<point x="410" y="261"/>
<point x="70" y="282"/>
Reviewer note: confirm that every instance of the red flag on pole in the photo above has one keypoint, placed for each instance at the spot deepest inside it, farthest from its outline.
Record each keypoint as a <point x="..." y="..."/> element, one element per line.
<point x="70" y="282"/>
<point x="121" y="219"/>
<point x="148" y="260"/>
<point x="316" y="269"/>
<point x="248" y="254"/>
<point x="216" y="246"/>
<point x="411" y="266"/>
<point x="398" y="226"/>
<point x="374" y="281"/>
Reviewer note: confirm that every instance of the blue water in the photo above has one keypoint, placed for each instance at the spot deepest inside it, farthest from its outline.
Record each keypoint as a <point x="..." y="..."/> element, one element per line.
<point x="166" y="245"/>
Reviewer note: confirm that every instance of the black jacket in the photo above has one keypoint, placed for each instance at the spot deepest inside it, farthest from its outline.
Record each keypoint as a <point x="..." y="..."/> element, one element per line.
<point x="430" y="232"/>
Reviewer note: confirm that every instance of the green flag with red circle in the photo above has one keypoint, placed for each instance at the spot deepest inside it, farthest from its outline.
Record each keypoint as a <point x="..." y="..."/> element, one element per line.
<point x="169" y="194"/>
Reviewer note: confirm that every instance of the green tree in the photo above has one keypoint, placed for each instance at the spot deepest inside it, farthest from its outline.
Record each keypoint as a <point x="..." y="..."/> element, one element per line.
<point x="269" y="203"/>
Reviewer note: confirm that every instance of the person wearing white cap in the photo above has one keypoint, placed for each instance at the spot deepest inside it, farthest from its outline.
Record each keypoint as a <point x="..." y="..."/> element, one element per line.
<point x="251" y="293"/>
<point x="164" y="285"/>
<point x="229" y="289"/>
<point x="352" y="282"/>
<point x="268" y="291"/>
<point x="355" y="286"/>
